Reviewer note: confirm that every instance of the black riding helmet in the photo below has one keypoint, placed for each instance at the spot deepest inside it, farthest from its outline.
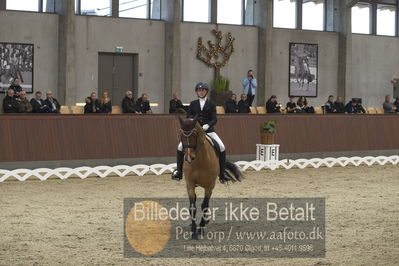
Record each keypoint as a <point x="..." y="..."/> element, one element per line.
<point x="201" y="85"/>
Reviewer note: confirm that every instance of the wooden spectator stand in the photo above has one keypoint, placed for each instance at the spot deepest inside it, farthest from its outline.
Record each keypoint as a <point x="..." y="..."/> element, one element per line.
<point x="78" y="137"/>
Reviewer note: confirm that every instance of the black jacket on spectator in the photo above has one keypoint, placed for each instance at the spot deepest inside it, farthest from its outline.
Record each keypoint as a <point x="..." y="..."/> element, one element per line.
<point x="340" y="107"/>
<point x="50" y="105"/>
<point x="350" y="109"/>
<point x="10" y="105"/>
<point x="272" y="107"/>
<point x="91" y="106"/>
<point x="143" y="107"/>
<point x="105" y="108"/>
<point x="128" y="106"/>
<point x="231" y="106"/>
<point x="291" y="107"/>
<point x="38" y="106"/>
<point x="396" y="103"/>
<point x="205" y="116"/>
<point x="175" y="106"/>
<point x="243" y="107"/>
<point x="329" y="107"/>
<point x="17" y="89"/>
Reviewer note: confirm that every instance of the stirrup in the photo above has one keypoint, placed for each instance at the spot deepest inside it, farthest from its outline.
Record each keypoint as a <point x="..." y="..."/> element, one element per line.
<point x="176" y="175"/>
<point x="223" y="178"/>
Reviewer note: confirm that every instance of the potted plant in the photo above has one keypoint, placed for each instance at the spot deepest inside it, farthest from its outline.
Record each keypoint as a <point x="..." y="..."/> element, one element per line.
<point x="267" y="132"/>
<point x="221" y="91"/>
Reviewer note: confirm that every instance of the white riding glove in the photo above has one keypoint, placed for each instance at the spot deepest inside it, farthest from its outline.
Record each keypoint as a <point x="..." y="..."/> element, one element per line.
<point x="205" y="127"/>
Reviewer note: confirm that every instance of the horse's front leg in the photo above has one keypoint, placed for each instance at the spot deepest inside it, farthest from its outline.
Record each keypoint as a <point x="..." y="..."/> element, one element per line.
<point x="205" y="212"/>
<point x="193" y="210"/>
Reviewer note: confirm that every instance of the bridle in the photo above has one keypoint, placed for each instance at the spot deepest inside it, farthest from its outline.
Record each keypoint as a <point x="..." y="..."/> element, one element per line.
<point x="187" y="135"/>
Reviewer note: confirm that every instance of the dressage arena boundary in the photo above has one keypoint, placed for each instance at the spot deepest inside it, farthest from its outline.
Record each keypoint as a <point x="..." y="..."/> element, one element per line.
<point x="159" y="169"/>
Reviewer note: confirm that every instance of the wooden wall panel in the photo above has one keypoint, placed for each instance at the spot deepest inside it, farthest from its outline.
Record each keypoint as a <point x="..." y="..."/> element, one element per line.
<point x="79" y="137"/>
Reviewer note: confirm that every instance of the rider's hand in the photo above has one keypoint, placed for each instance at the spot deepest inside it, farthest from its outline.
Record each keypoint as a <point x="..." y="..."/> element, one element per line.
<point x="205" y="127"/>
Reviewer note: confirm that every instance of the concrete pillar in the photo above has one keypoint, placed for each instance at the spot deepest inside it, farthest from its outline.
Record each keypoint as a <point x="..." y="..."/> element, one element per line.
<point x="171" y="14"/>
<point x="263" y="19"/>
<point x="214" y="12"/>
<point x="3" y="4"/>
<point x="49" y="5"/>
<point x="67" y="89"/>
<point x="115" y="8"/>
<point x="249" y="13"/>
<point x="343" y="25"/>
<point x="156" y="9"/>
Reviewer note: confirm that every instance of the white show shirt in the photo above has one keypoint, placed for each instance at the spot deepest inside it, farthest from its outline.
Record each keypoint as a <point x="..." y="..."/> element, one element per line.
<point x="202" y="102"/>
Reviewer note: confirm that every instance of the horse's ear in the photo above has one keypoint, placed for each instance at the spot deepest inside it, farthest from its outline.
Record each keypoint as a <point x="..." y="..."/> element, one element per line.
<point x="181" y="120"/>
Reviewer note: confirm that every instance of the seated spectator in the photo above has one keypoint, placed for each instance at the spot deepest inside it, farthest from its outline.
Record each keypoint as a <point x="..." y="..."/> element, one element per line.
<point x="389" y="107"/>
<point x="329" y="107"/>
<point x="339" y="106"/>
<point x="396" y="103"/>
<point x="143" y="104"/>
<point x="354" y="107"/>
<point x="92" y="104"/>
<point x="272" y="106"/>
<point x="105" y="104"/>
<point x="52" y="103"/>
<point x="302" y="104"/>
<point x="10" y="104"/>
<point x="24" y="105"/>
<point x="231" y="105"/>
<point x="243" y="105"/>
<point x="16" y="87"/>
<point x="128" y="105"/>
<point x="38" y="105"/>
<point x="175" y="105"/>
<point x="291" y="106"/>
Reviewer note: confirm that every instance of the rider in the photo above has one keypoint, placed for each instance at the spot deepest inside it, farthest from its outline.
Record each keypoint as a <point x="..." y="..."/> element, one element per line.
<point x="206" y="111"/>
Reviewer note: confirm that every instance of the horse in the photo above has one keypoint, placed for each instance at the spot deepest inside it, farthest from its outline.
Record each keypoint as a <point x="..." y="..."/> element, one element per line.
<point x="200" y="168"/>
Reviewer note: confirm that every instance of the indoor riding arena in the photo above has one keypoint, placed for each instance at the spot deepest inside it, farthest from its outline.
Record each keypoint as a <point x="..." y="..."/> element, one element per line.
<point x="194" y="132"/>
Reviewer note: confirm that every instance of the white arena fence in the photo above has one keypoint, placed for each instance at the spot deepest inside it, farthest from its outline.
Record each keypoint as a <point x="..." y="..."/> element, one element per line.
<point x="159" y="169"/>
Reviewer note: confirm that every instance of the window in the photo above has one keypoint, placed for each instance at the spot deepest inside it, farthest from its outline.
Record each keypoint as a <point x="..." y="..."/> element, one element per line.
<point x="48" y="6"/>
<point x="155" y="6"/>
<point x="23" y="5"/>
<point x="230" y="11"/>
<point x="386" y="21"/>
<point x="95" y="7"/>
<point x="249" y="12"/>
<point x="133" y="8"/>
<point x="284" y="14"/>
<point x="313" y="15"/>
<point x="196" y="10"/>
<point x="361" y="18"/>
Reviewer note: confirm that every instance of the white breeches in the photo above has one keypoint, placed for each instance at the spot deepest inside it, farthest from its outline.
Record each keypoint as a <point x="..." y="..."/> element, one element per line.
<point x="212" y="135"/>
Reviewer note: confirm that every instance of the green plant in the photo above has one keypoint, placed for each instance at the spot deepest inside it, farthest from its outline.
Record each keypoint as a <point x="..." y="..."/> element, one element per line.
<point x="221" y="84"/>
<point x="270" y="126"/>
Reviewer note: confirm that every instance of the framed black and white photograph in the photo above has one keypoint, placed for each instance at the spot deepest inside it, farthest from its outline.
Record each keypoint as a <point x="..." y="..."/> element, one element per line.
<point x="16" y="61"/>
<point x="303" y="70"/>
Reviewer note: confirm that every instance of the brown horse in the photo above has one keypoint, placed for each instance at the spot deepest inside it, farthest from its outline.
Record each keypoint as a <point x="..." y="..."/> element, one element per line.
<point x="201" y="168"/>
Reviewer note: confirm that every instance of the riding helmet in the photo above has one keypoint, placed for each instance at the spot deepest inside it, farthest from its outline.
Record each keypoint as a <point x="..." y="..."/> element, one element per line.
<point x="201" y="85"/>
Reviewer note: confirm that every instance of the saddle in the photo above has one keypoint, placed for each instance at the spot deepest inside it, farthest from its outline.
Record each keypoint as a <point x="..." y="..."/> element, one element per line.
<point x="214" y="144"/>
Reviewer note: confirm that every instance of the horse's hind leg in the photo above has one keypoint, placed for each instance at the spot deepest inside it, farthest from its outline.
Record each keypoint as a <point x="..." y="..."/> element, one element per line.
<point x="193" y="210"/>
<point x="205" y="211"/>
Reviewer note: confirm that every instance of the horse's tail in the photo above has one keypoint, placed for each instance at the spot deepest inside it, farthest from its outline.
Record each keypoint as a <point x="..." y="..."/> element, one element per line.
<point x="233" y="172"/>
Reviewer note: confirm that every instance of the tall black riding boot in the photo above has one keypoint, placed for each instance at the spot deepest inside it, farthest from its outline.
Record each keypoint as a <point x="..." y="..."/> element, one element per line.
<point x="178" y="173"/>
<point x="222" y="164"/>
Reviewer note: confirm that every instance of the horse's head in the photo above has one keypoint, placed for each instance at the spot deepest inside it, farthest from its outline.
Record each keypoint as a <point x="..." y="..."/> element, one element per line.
<point x="189" y="133"/>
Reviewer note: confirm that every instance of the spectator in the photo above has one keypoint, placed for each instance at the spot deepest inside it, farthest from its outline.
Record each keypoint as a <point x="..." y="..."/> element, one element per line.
<point x="339" y="105"/>
<point x="389" y="107"/>
<point x="291" y="106"/>
<point x="231" y="105"/>
<point x="92" y="104"/>
<point x="243" y="105"/>
<point x="329" y="106"/>
<point x="105" y="104"/>
<point x="249" y="84"/>
<point x="10" y="104"/>
<point x="143" y="104"/>
<point x="24" y="105"/>
<point x="354" y="107"/>
<point x="16" y="87"/>
<point x="38" y="105"/>
<point x="52" y="103"/>
<point x="128" y="105"/>
<point x="272" y="106"/>
<point x="175" y="105"/>
<point x="396" y="103"/>
<point x="302" y="104"/>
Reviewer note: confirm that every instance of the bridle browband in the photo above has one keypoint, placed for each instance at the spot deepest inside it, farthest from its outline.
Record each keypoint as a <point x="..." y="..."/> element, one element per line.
<point x="188" y="134"/>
